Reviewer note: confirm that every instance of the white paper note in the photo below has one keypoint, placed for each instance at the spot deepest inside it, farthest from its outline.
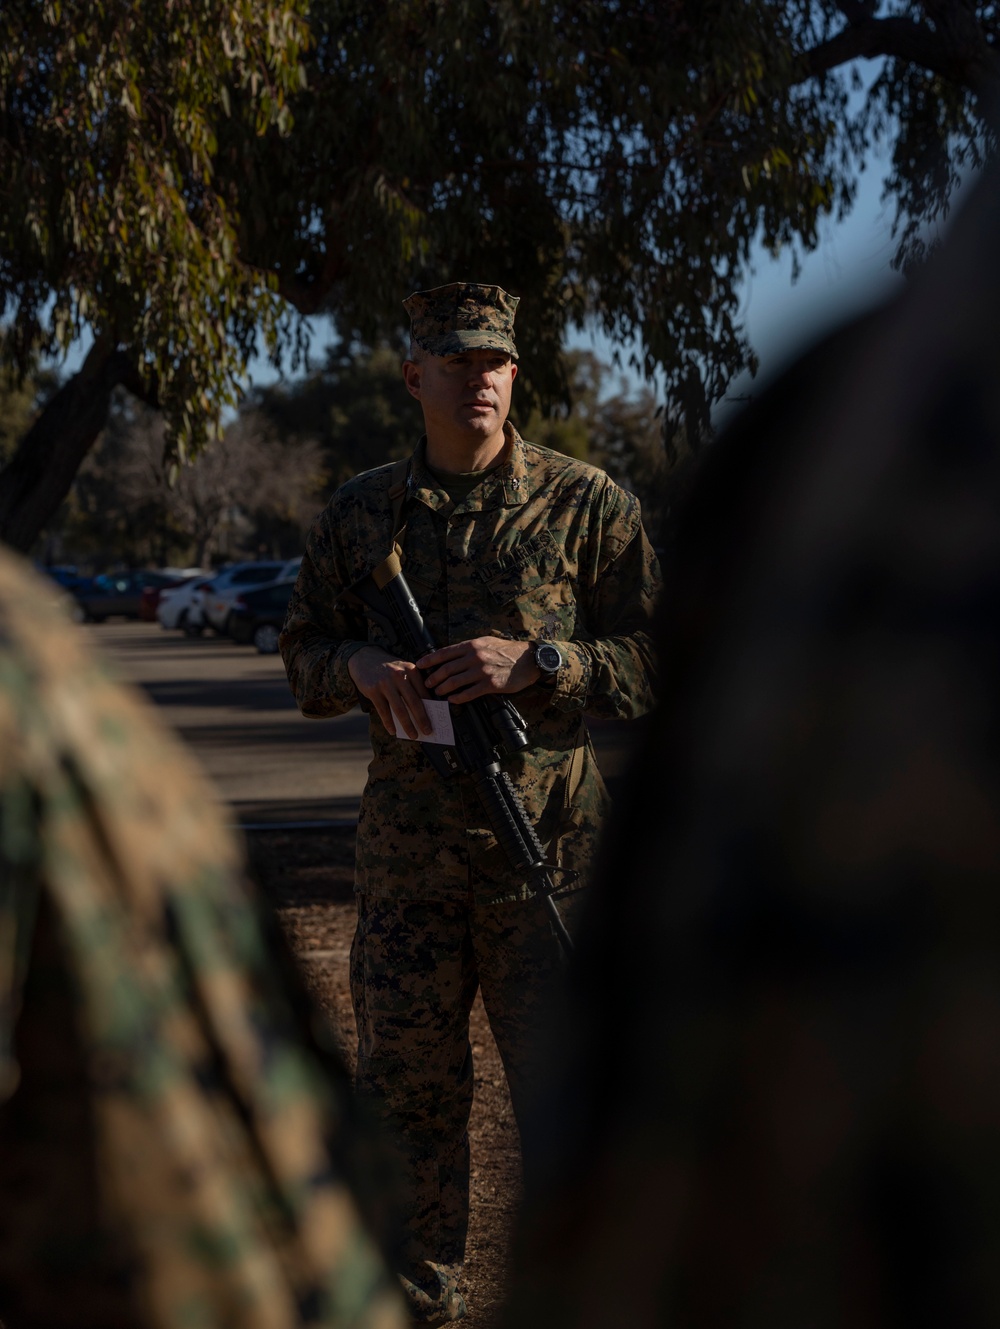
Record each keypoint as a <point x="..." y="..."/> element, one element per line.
<point x="439" y="714"/>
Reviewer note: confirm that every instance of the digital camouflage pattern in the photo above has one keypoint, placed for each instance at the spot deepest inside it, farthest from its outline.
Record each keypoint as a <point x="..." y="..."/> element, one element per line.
<point x="174" y="1145"/>
<point x="546" y="547"/>
<point x="463" y="316"/>
<point x="416" y="1076"/>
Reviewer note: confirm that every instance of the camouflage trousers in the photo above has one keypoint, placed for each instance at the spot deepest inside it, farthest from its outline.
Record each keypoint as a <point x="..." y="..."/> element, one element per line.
<point x="415" y="969"/>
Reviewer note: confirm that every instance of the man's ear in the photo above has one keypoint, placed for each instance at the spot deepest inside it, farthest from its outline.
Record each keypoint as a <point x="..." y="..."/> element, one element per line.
<point x="411" y="377"/>
<point x="513" y="370"/>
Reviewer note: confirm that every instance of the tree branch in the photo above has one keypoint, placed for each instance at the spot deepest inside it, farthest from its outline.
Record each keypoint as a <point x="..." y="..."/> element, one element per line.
<point x="971" y="63"/>
<point x="857" y="11"/>
<point x="306" y="294"/>
<point x="146" y="389"/>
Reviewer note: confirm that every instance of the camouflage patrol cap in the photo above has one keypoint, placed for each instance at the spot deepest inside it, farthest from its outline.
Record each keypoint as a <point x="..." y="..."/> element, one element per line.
<point x="462" y="316"/>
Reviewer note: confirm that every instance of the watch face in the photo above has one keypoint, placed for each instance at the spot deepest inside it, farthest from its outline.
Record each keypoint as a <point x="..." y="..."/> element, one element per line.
<point x="547" y="657"/>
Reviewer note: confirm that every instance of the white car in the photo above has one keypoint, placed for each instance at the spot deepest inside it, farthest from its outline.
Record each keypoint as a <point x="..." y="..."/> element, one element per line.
<point x="180" y="606"/>
<point x="218" y="598"/>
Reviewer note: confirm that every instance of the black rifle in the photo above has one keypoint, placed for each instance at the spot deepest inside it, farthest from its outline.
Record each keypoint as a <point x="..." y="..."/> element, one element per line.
<point x="487" y="729"/>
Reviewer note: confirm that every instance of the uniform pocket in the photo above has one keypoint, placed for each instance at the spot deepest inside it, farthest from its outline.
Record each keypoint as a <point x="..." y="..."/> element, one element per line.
<point x="531" y="585"/>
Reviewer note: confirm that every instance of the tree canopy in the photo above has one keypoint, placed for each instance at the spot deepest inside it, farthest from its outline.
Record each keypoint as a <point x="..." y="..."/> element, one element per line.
<point x="111" y="224"/>
<point x="182" y="179"/>
<point x="110" y="221"/>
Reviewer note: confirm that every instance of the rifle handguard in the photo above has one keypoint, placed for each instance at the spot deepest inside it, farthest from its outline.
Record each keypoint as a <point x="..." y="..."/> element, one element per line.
<point x="516" y="836"/>
<point x="509" y="820"/>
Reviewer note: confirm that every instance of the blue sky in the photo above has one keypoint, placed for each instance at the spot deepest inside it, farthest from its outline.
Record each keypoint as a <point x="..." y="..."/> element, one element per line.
<point x="848" y="271"/>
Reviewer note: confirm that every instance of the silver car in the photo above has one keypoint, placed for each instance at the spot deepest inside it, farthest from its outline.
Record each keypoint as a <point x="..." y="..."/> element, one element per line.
<point x="218" y="597"/>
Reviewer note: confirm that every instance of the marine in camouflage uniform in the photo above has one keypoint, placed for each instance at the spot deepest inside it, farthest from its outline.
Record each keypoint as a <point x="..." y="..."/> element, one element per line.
<point x="174" y="1143"/>
<point x="535" y="547"/>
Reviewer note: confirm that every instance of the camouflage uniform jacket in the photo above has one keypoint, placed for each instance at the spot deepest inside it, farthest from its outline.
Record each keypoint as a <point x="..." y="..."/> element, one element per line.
<point x="545" y="548"/>
<point x="173" y="1144"/>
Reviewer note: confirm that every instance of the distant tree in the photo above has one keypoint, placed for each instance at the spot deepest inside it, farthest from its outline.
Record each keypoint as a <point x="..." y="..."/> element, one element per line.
<point x="355" y="407"/>
<point x="565" y="427"/>
<point x="131" y="504"/>
<point x="614" y="425"/>
<point x="618" y="161"/>
<point x="274" y="482"/>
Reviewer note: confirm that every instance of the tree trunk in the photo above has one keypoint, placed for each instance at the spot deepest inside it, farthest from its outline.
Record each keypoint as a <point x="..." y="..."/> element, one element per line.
<point x="38" y="477"/>
<point x="201" y="551"/>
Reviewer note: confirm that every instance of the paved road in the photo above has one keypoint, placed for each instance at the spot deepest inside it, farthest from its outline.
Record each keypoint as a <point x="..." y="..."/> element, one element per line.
<point x="233" y="707"/>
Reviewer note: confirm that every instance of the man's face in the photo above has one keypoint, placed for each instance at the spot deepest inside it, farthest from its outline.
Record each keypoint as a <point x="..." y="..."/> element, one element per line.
<point x="464" y="397"/>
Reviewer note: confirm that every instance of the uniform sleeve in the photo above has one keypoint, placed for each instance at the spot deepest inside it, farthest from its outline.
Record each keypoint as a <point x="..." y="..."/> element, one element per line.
<point x="610" y="668"/>
<point x="321" y="633"/>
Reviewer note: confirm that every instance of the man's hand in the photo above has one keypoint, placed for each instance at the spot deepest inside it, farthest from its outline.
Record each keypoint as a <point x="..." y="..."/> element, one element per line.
<point x="479" y="668"/>
<point x="393" y="687"/>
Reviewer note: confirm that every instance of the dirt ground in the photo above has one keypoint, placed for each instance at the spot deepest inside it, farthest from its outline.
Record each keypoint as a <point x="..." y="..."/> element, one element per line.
<point x="309" y="878"/>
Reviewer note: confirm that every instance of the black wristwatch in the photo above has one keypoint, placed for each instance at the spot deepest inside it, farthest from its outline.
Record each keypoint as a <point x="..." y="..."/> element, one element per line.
<point x="548" y="658"/>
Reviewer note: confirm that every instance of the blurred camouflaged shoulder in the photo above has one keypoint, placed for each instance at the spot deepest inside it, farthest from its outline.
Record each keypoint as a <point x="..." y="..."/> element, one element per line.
<point x="176" y="1152"/>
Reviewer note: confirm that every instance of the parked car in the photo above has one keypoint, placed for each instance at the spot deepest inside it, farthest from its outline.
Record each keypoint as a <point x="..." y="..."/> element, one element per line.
<point x="66" y="576"/>
<point x="257" y="615"/>
<point x="219" y="598"/>
<point x="112" y="595"/>
<point x="150" y="599"/>
<point x="180" y="606"/>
